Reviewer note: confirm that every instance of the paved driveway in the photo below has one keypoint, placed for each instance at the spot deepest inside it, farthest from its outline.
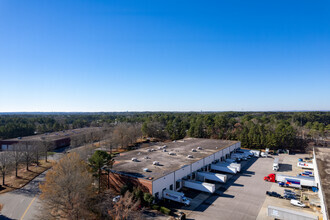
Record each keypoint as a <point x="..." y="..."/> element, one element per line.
<point x="22" y="203"/>
<point x="241" y="197"/>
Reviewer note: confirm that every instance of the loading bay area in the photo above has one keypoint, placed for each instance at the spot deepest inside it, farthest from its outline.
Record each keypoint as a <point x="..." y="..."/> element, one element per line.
<point x="243" y="196"/>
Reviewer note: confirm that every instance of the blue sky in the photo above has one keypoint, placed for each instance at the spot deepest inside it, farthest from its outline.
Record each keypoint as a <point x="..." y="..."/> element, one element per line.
<point x="164" y="55"/>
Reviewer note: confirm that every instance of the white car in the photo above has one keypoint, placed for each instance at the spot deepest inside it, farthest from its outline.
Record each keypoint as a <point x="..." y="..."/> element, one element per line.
<point x="116" y="199"/>
<point x="297" y="203"/>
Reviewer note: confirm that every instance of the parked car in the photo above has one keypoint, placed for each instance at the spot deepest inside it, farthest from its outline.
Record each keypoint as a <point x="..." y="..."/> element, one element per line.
<point x="290" y="196"/>
<point x="116" y="199"/>
<point x="289" y="192"/>
<point x="274" y="194"/>
<point x="297" y="203"/>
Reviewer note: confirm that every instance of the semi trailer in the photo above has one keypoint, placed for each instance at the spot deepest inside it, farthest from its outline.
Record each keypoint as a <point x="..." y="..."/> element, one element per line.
<point x="236" y="165"/>
<point x="200" y="186"/>
<point x="176" y="196"/>
<point x="224" y="168"/>
<point x="291" y="181"/>
<point x="213" y="176"/>
<point x="305" y="165"/>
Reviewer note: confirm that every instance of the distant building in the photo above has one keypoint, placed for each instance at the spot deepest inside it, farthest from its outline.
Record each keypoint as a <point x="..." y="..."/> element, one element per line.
<point x="59" y="139"/>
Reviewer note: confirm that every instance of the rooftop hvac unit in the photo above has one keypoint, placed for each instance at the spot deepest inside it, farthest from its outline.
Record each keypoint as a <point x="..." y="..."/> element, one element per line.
<point x="165" y="146"/>
<point x="145" y="169"/>
<point x="156" y="163"/>
<point x="149" y="150"/>
<point x="134" y="159"/>
<point x="160" y="148"/>
<point x="171" y="153"/>
<point x="153" y="150"/>
<point x="190" y="156"/>
<point x="146" y="157"/>
<point x="164" y="150"/>
<point x="199" y="148"/>
<point x="193" y="150"/>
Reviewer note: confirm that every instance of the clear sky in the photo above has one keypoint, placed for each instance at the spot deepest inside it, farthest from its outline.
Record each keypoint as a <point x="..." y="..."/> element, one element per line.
<point x="171" y="55"/>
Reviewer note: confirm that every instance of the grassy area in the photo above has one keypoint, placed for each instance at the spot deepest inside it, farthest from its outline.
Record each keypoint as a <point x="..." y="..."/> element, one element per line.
<point x="24" y="177"/>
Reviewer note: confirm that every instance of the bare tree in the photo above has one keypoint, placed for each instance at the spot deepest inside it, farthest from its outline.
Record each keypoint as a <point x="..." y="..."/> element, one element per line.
<point x="16" y="156"/>
<point x="126" y="208"/>
<point x="45" y="146"/>
<point x="4" y="164"/>
<point x="36" y="148"/>
<point x="27" y="154"/>
<point x="66" y="189"/>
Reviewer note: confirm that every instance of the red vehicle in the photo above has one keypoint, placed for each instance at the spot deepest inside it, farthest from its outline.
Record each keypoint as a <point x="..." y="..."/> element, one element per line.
<point x="270" y="178"/>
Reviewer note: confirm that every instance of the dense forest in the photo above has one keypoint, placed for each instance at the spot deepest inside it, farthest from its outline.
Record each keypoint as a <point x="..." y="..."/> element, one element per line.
<point x="276" y="130"/>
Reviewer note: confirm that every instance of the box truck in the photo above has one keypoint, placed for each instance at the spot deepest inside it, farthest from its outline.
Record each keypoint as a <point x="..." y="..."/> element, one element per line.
<point x="213" y="176"/>
<point x="176" y="196"/>
<point x="291" y="181"/>
<point x="224" y="168"/>
<point x="276" y="164"/>
<point x="200" y="186"/>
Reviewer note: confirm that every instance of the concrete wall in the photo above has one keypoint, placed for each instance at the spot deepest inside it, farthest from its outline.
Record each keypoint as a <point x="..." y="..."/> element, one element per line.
<point x="320" y="192"/>
<point x="159" y="185"/>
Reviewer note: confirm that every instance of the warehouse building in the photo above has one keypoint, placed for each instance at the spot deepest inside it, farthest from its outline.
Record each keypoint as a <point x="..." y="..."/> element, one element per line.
<point x="166" y="165"/>
<point x="321" y="163"/>
<point x="58" y="139"/>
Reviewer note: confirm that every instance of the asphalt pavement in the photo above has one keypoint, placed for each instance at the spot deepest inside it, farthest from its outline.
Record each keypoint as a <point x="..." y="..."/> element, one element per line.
<point x="22" y="203"/>
<point x="241" y="197"/>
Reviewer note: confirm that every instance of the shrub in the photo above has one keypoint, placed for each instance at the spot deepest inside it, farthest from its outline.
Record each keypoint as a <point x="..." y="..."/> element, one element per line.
<point x="155" y="207"/>
<point x="124" y="189"/>
<point x="138" y="194"/>
<point x="148" y="198"/>
<point x="165" y="210"/>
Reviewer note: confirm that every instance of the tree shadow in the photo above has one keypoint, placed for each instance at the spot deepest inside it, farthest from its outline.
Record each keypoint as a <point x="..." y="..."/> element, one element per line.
<point x="2" y="217"/>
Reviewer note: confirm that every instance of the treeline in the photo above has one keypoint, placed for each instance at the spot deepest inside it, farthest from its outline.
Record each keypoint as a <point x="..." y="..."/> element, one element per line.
<point x="253" y="129"/>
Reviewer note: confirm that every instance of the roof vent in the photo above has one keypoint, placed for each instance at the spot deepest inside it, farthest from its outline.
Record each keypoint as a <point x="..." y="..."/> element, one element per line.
<point x="164" y="150"/>
<point x="193" y="150"/>
<point x="156" y="163"/>
<point x="190" y="156"/>
<point x="146" y="157"/>
<point x="165" y="146"/>
<point x="149" y="150"/>
<point x="172" y="153"/>
<point x="134" y="159"/>
<point x="199" y="148"/>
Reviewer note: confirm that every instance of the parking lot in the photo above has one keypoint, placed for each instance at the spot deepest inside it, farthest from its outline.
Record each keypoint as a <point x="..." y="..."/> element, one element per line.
<point x="288" y="166"/>
<point x="241" y="197"/>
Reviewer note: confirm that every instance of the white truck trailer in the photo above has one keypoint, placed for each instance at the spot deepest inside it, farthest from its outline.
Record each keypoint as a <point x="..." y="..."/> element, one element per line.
<point x="201" y="186"/>
<point x="276" y="164"/>
<point x="305" y="165"/>
<point x="236" y="165"/>
<point x="224" y="168"/>
<point x="176" y="196"/>
<point x="221" y="178"/>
